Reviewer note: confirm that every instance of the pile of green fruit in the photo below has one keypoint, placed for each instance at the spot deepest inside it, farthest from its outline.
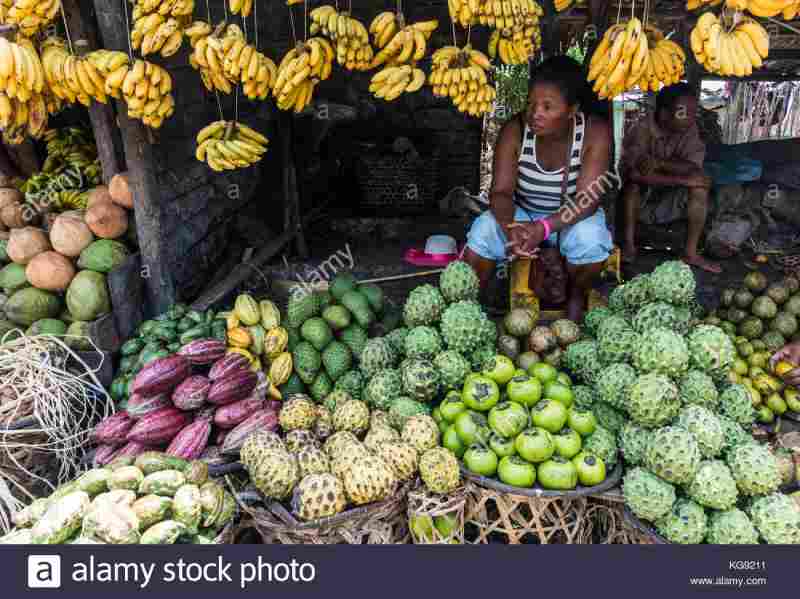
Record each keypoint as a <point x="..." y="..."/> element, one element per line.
<point x="658" y="381"/>
<point x="525" y="342"/>
<point x="525" y="427"/>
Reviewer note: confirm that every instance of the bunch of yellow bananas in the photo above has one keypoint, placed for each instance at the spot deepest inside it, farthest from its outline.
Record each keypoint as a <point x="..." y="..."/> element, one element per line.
<point x="72" y="78"/>
<point x="70" y="199"/>
<point x="766" y="8"/>
<point x="562" y="5"/>
<point x="22" y="118"/>
<point x="390" y="82"/>
<point x="21" y="72"/>
<point x="464" y="12"/>
<point x="399" y="43"/>
<point x="159" y="24"/>
<point x="460" y="74"/>
<point x="146" y="90"/>
<point x="228" y="145"/>
<point x="518" y="48"/>
<point x="736" y="52"/>
<point x="349" y="34"/>
<point x="112" y="65"/>
<point x="514" y="15"/>
<point x="303" y="67"/>
<point x="30" y="16"/>
<point x="694" y="4"/>
<point x="241" y="7"/>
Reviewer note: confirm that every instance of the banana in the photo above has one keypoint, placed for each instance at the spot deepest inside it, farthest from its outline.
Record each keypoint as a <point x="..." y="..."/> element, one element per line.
<point x="757" y="34"/>
<point x="749" y="48"/>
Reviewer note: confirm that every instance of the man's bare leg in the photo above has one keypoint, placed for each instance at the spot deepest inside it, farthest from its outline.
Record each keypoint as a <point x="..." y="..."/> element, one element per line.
<point x="631" y="197"/>
<point x="581" y="279"/>
<point x="697" y="211"/>
<point x="482" y="266"/>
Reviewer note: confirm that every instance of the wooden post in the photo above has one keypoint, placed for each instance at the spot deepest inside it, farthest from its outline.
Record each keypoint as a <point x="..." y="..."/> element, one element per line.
<point x="153" y="241"/>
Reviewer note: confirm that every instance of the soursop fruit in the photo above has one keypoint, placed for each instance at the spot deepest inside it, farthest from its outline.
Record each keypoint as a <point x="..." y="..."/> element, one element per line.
<point x="374" y="295"/>
<point x="401" y="457"/>
<point x="696" y="388"/>
<point x="318" y="495"/>
<point x="300" y="307"/>
<point x="617" y="348"/>
<point x="337" y="360"/>
<point x="653" y="400"/>
<point x="338" y="443"/>
<point x="603" y="444"/>
<point x="307" y="362"/>
<point x="274" y="474"/>
<point x="351" y="382"/>
<point x="777" y="518"/>
<point x="608" y="417"/>
<point x="731" y="527"/>
<point x="632" y="443"/>
<point x="397" y="339"/>
<point x="336" y="398"/>
<point x="368" y="479"/>
<point x="297" y="439"/>
<point x="685" y="524"/>
<point x="321" y="387"/>
<point x="337" y="317"/>
<point x="377" y="435"/>
<point x="488" y="331"/>
<point x="439" y="470"/>
<point x="297" y="412"/>
<point x="403" y="409"/>
<point x="706" y="428"/>
<point x="383" y="389"/>
<point x="755" y="469"/>
<point x="594" y="318"/>
<point x="584" y="397"/>
<point x="355" y="338"/>
<point x="463" y="328"/>
<point x="312" y="460"/>
<point x="341" y="284"/>
<point x="582" y="359"/>
<point x="647" y="496"/>
<point x="710" y="350"/>
<point x="672" y="282"/>
<point x="713" y="486"/>
<point x="662" y="351"/>
<point x="673" y="454"/>
<point x="424" y="306"/>
<point x="421" y="432"/>
<point x="736" y="403"/>
<point x="423" y="343"/>
<point x="453" y="369"/>
<point x="377" y="355"/>
<point x="459" y="282"/>
<point x="654" y="316"/>
<point x="359" y="307"/>
<point x="420" y="380"/>
<point x="317" y="332"/>
<point x="613" y="384"/>
<point x="351" y="416"/>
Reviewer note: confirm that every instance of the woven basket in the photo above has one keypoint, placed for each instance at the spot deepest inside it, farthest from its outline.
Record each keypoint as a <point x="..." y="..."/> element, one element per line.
<point x="425" y="507"/>
<point x="607" y="524"/>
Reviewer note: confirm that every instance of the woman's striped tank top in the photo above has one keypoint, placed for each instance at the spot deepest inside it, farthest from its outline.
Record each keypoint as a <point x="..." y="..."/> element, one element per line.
<point x="539" y="190"/>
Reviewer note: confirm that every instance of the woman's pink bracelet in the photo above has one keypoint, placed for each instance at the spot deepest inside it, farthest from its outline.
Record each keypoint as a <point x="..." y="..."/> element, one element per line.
<point x="546" y="226"/>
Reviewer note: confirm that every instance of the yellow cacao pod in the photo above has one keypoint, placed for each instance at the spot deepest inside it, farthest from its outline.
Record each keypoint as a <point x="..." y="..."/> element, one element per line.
<point x="270" y="315"/>
<point x="273" y="391"/>
<point x="257" y="334"/>
<point x="232" y="321"/>
<point x="239" y="337"/>
<point x="281" y="369"/>
<point x="275" y="342"/>
<point x="241" y="351"/>
<point x="247" y="310"/>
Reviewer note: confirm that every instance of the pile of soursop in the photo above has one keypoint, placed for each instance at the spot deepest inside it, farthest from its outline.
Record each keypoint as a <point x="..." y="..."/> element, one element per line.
<point x="658" y="379"/>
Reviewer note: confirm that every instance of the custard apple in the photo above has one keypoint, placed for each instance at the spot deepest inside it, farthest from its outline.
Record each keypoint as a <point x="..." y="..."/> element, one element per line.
<point x="731" y="527"/>
<point x="377" y="355"/>
<point x="617" y="348"/>
<point x="635" y="293"/>
<point x="312" y="460"/>
<point x="632" y="443"/>
<point x="297" y="412"/>
<point x="582" y="360"/>
<point x="335" y="398"/>
<point x="257" y="442"/>
<point x="401" y="457"/>
<point x="672" y="453"/>
<point x="685" y="320"/>
<point x="584" y="397"/>
<point x="706" y="428"/>
<point x="351" y="416"/>
<point x="710" y="350"/>
<point x="755" y="469"/>
<point x="423" y="343"/>
<point x="383" y="389"/>
<point x="616" y="300"/>
<point x="594" y="318"/>
<point x="439" y="470"/>
<point x="323" y="427"/>
<point x="422" y="432"/>
<point x="379" y="417"/>
<point x="658" y="315"/>
<point x="696" y="388"/>
<point x="397" y="339"/>
<point x="380" y="434"/>
<point x="734" y="434"/>
<point x="609" y="417"/>
<point x="612" y="326"/>
<point x="453" y="369"/>
<point x="672" y="282"/>
<point x="647" y="496"/>
<point x="713" y="486"/>
<point x="352" y="383"/>
<point x="403" y="409"/>
<point x="346" y="456"/>
<point x="653" y="400"/>
<point x="459" y="282"/>
<point x="463" y="327"/>
<point x="274" y="474"/>
<point x="424" y="306"/>
<point x="603" y="444"/>
<point x="342" y="283"/>
<point x="420" y="380"/>
<point x="684" y="524"/>
<point x="318" y="496"/>
<point x="614" y="383"/>
<point x="777" y="518"/>
<point x="662" y="351"/>
<point x="298" y="439"/>
<point x="338" y="442"/>
<point x="368" y="479"/>
<point x="773" y="340"/>
<point x="737" y="404"/>
<point x="307" y="361"/>
<point x="355" y="338"/>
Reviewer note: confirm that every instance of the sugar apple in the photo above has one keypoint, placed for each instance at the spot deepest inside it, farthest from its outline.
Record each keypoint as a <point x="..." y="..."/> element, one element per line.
<point x="424" y="306"/>
<point x="696" y="388"/>
<point x="274" y="474"/>
<point x="453" y="369"/>
<point x="337" y="360"/>
<point x="377" y="355"/>
<point x="420" y="380"/>
<point x="351" y="416"/>
<point x="612" y="326"/>
<point x="378" y="435"/>
<point x="479" y="358"/>
<point x="755" y="469"/>
<point x="338" y="442"/>
<point x="321" y="387"/>
<point x="397" y="339"/>
<point x="603" y="444"/>
<point x="777" y="518"/>
<point x="300" y="307"/>
<point x="459" y="282"/>
<point x="297" y="412"/>
<point x="379" y="417"/>
<point x="662" y="351"/>
<point x="657" y="315"/>
<point x="439" y="470"/>
<point x="317" y="332"/>
<point x="337" y="317"/>
<point x="584" y="397"/>
<point x="297" y="439"/>
<point x="614" y="383"/>
<point x="713" y="486"/>
<point x="421" y="432"/>
<point x="463" y="328"/>
<point x="672" y="282"/>
<point x="632" y="443"/>
<point x="335" y="398"/>
<point x="257" y="442"/>
<point x="706" y="428"/>
<point x="616" y="300"/>
<point x="731" y="527"/>
<point x="672" y="453"/>
<point x="345" y="458"/>
<point x="355" y="338"/>
<point x="609" y="417"/>
<point x="352" y="383"/>
<point x="617" y="348"/>
<point x="401" y="457"/>
<point x="635" y="293"/>
<point x="582" y="360"/>
<point x="323" y="426"/>
<point x="710" y="350"/>
<point x="737" y="404"/>
<point x="368" y="479"/>
<point x="684" y="320"/>
<point x="422" y="342"/>
<point x="653" y="400"/>
<point x="734" y="434"/>
<point x="318" y="495"/>
<point x="594" y="318"/>
<point x="684" y="524"/>
<point x="647" y="496"/>
<point x="312" y="460"/>
<point x="566" y="331"/>
<point x="307" y="362"/>
<point x="403" y="409"/>
<point x="383" y="389"/>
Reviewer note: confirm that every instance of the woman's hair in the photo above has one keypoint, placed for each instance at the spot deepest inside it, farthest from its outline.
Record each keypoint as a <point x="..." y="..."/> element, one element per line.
<point x="668" y="96"/>
<point x="566" y="74"/>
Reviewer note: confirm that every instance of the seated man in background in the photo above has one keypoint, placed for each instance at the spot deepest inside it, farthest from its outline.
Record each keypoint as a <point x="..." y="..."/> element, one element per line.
<point x="662" y="166"/>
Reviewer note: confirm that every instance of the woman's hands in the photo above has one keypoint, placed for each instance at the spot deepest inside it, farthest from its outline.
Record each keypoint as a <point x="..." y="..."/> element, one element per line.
<point x="788" y="353"/>
<point x="525" y="239"/>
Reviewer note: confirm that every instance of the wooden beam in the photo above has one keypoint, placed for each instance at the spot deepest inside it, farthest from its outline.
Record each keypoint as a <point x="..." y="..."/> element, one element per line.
<point x="153" y="241"/>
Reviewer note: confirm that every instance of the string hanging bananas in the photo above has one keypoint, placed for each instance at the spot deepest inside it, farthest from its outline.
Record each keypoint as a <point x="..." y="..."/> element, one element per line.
<point x="511" y="15"/>
<point x="241" y="7"/>
<point x="30" y="16"/>
<point x="399" y="44"/>
<point x="350" y="37"/>
<point x="460" y="74"/>
<point x="226" y="145"/>
<point x="300" y="71"/>
<point x="729" y="53"/>
<point x="159" y="25"/>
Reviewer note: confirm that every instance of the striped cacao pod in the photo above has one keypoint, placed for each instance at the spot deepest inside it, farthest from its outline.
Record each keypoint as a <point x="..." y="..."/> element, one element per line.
<point x="239" y="337"/>
<point x="270" y="315"/>
<point x="275" y="342"/>
<point x="247" y="309"/>
<point x="281" y="369"/>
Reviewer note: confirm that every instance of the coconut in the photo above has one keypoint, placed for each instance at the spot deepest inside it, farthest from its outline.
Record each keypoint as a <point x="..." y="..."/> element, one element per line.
<point x="70" y="235"/>
<point x="508" y="346"/>
<point x="50" y="271"/>
<point x="527" y="359"/>
<point x="107" y="220"/>
<point x="743" y="298"/>
<point x="15" y="215"/>
<point x="542" y="340"/>
<point x="98" y="194"/>
<point x="778" y="293"/>
<point x="726" y="297"/>
<point x="25" y="243"/>
<point x="756" y="281"/>
<point x="519" y="322"/>
<point x="120" y="190"/>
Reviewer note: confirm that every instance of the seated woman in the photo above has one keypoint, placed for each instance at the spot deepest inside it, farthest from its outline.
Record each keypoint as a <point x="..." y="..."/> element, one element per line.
<point x="536" y="197"/>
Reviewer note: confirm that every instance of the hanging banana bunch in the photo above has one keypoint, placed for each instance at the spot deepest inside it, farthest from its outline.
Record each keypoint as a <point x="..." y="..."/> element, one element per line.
<point x="464" y="12"/>
<point x="30" y="16"/>
<point x="158" y="25"/>
<point x="146" y="88"/>
<point x="241" y="7"/>
<point x="73" y="78"/>
<point x="21" y="71"/>
<point x="350" y="37"/>
<point x="514" y="15"/>
<point x="695" y="4"/>
<point x="518" y="48"/>
<point x="765" y="8"/>
<point x="399" y="44"/>
<point x="460" y="74"/>
<point x="303" y="67"/>
<point x="734" y="52"/>
<point x="390" y="82"/>
<point x="228" y="145"/>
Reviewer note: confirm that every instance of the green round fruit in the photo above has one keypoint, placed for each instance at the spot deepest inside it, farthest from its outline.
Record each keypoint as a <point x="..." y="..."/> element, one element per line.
<point x="776" y="403"/>
<point x="535" y="445"/>
<point x="443" y="426"/>
<point x="558" y="474"/>
<point x="452" y="406"/>
<point x="516" y="472"/>
<point x="508" y="419"/>
<point x="525" y="390"/>
<point x="564" y="379"/>
<point x="502" y="446"/>
<point x="543" y="371"/>
<point x="591" y="469"/>
<point x="560" y="393"/>
<point x="500" y="369"/>
<point x="471" y="427"/>
<point x="764" y="415"/>
<point x="582" y="423"/>
<point x="549" y="415"/>
<point x="436" y="414"/>
<point x="792" y="398"/>
<point x="480" y="393"/>
<point x="452" y="441"/>
<point x="568" y="443"/>
<point x="481" y="460"/>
